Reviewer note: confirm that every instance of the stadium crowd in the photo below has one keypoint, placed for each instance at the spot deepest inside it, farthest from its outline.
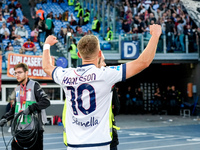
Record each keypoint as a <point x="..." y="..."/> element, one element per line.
<point x="136" y="16"/>
<point x="133" y="17"/>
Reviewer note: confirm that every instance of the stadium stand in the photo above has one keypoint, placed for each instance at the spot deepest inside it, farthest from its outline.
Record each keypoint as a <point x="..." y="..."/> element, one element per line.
<point x="128" y="20"/>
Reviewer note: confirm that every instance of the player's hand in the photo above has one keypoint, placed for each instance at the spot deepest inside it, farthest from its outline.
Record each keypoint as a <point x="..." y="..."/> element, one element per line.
<point x="51" y="40"/>
<point x="155" y="30"/>
<point x="2" y="122"/>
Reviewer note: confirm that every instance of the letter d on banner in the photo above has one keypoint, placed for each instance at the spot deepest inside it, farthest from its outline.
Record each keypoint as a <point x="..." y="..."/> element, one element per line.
<point x="130" y="50"/>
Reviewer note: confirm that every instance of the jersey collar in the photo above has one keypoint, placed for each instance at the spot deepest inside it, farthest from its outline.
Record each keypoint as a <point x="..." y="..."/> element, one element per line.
<point x="85" y="65"/>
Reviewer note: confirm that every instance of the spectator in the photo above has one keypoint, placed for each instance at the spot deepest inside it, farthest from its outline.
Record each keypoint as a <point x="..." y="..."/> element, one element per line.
<point x="122" y="13"/>
<point x="13" y="35"/>
<point x="18" y="41"/>
<point x="169" y="31"/>
<point x="68" y="28"/>
<point x="135" y="20"/>
<point x="11" y="26"/>
<point x="6" y="12"/>
<point x="60" y="17"/>
<point x="4" y="31"/>
<point x="11" y="19"/>
<point x="173" y="100"/>
<point x="2" y="20"/>
<point x="56" y="17"/>
<point x="72" y="20"/>
<point x="191" y="34"/>
<point x="41" y="27"/>
<point x="13" y="11"/>
<point x="109" y="35"/>
<point x="156" y="5"/>
<point x="70" y="3"/>
<point x="25" y="21"/>
<point x="77" y="6"/>
<point x="80" y="12"/>
<point x="18" y="5"/>
<point x="40" y="13"/>
<point x="157" y="13"/>
<point x="179" y="10"/>
<point x="65" y="16"/>
<point x="81" y="21"/>
<point x="139" y="101"/>
<point x="34" y="35"/>
<point x="51" y="15"/>
<point x="5" y="36"/>
<point x="37" y="18"/>
<point x="61" y="33"/>
<point x="87" y="17"/>
<point x="141" y="10"/>
<point x="134" y="32"/>
<point x="151" y="17"/>
<point x="28" y="46"/>
<point x="49" y="26"/>
<point x="129" y="18"/>
<point x="79" y="31"/>
<point x="180" y="33"/>
<point x="10" y="50"/>
<point x="134" y="10"/>
<point x="21" y="31"/>
<point x="6" y="8"/>
<point x="125" y="26"/>
<point x="32" y="4"/>
<point x="9" y="46"/>
<point x="17" y="21"/>
<point x="129" y="101"/>
<point x="157" y="102"/>
<point x="141" y="26"/>
<point x="72" y="31"/>
<point x="73" y="51"/>
<point x="96" y="25"/>
<point x="11" y="5"/>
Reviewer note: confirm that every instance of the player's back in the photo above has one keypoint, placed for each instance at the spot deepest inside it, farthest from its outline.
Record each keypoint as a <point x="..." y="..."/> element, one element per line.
<point x="88" y="95"/>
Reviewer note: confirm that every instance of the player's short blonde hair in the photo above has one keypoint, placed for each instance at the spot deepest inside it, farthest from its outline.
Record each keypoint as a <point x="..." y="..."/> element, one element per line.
<point x="88" y="46"/>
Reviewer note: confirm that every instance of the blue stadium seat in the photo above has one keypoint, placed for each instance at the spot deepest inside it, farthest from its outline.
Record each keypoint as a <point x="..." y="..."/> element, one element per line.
<point x="106" y="46"/>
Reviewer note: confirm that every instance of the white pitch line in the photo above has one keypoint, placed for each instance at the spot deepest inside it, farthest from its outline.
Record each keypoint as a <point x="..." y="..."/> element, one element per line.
<point x="158" y="147"/>
<point x="50" y="138"/>
<point x="134" y="137"/>
<point x="53" y="143"/>
<point x="58" y="148"/>
<point x="146" y="141"/>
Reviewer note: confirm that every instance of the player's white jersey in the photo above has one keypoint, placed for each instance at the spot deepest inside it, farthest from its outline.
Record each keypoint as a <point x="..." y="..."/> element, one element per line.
<point x="88" y="94"/>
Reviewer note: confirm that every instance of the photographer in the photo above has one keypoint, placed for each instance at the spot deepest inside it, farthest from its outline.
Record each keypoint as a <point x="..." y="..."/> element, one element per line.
<point x="29" y="98"/>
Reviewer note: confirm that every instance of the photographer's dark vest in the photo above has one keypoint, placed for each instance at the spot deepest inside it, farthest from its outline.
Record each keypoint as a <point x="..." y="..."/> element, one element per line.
<point x="30" y="99"/>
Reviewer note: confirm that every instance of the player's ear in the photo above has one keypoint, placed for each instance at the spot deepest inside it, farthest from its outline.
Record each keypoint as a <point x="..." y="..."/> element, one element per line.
<point x="100" y="54"/>
<point x="78" y="54"/>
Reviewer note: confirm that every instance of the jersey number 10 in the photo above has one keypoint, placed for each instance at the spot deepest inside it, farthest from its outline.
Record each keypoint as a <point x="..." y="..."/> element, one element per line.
<point x="76" y="96"/>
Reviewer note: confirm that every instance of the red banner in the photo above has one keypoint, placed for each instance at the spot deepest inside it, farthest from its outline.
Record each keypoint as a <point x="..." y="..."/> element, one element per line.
<point x="0" y="70"/>
<point x="34" y="64"/>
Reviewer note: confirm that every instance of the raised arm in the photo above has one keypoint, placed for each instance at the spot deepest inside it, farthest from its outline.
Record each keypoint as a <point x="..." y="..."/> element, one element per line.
<point x="145" y="59"/>
<point x="47" y="65"/>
